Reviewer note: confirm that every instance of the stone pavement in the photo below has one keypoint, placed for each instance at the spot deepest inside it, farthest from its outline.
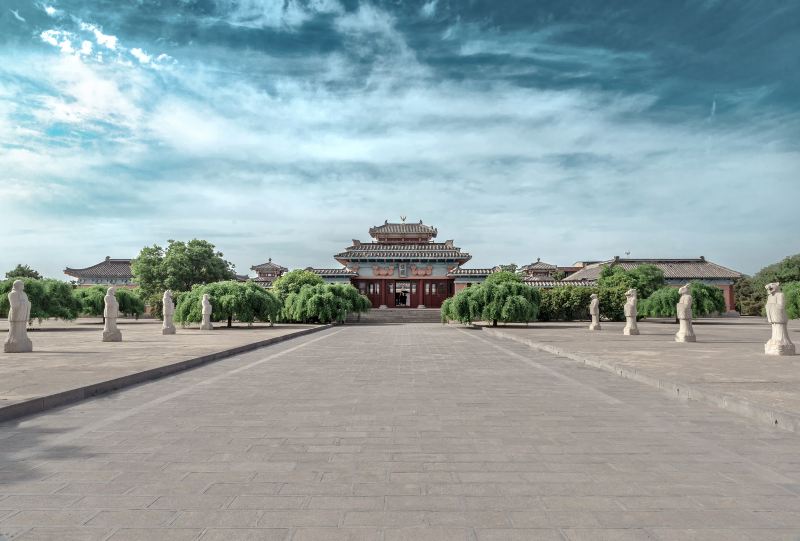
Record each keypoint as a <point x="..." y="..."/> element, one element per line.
<point x="725" y="367"/>
<point x="391" y="433"/>
<point x="69" y="356"/>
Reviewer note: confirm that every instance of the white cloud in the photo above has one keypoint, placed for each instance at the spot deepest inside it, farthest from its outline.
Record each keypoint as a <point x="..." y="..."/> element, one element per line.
<point x="141" y="56"/>
<point x="16" y="14"/>
<point x="106" y="40"/>
<point x="428" y="9"/>
<point x="86" y="48"/>
<point x="51" y="11"/>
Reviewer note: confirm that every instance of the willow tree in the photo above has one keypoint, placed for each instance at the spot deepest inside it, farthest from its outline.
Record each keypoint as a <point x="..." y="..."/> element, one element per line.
<point x="49" y="298"/>
<point x="92" y="301"/>
<point x="324" y="303"/>
<point x="706" y="300"/>
<point x="501" y="297"/>
<point x="245" y="302"/>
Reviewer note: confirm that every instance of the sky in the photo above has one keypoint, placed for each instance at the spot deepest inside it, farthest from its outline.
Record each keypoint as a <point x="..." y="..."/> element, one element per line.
<point x="552" y="129"/>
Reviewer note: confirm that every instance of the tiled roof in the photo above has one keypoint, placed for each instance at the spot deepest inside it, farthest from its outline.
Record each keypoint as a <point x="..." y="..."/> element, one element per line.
<point x="553" y="283"/>
<point x="674" y="269"/>
<point x="332" y="272"/>
<point x="539" y="265"/>
<point x="269" y="265"/>
<point x="431" y="250"/>
<point x="109" y="268"/>
<point x="472" y="272"/>
<point x="416" y="229"/>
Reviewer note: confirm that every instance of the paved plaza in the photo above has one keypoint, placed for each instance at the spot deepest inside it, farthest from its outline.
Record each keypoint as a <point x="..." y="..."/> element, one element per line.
<point x="726" y="366"/>
<point x="71" y="355"/>
<point x="395" y="432"/>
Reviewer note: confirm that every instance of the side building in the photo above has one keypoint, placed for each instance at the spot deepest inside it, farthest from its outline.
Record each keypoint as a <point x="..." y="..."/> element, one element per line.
<point x="109" y="272"/>
<point x="677" y="272"/>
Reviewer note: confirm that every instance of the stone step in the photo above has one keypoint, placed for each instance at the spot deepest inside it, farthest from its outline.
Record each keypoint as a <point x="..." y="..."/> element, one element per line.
<point x="397" y="315"/>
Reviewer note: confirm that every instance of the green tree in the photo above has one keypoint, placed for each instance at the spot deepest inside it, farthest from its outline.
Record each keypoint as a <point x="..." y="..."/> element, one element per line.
<point x="706" y="300"/>
<point x="49" y="298"/>
<point x="791" y="294"/>
<point x="23" y="271"/>
<point x="749" y="297"/>
<point x="179" y="267"/>
<point x="784" y="271"/>
<point x="92" y="301"/>
<point x="612" y="302"/>
<point x="645" y="278"/>
<point x="293" y="282"/>
<point x="245" y="302"/>
<point x="501" y="297"/>
<point x="324" y="303"/>
<point x="510" y="267"/>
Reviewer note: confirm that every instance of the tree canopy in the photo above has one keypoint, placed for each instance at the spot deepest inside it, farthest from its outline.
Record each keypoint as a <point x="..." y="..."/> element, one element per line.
<point x="324" y="303"/>
<point x="23" y="271"/>
<point x="501" y="297"/>
<point x="784" y="271"/>
<point x="791" y="294"/>
<point x="179" y="267"/>
<point x="242" y="301"/>
<point x="49" y="298"/>
<point x="92" y="301"/>
<point x="706" y="300"/>
<point x="645" y="278"/>
<point x="293" y="281"/>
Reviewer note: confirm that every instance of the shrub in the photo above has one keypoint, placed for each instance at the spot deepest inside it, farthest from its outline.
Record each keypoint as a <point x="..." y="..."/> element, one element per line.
<point x="706" y="300"/>
<point x="324" y="303"/>
<point x="245" y="302"/>
<point x="645" y="278"/>
<point x="92" y="301"/>
<point x="49" y="298"/>
<point x="791" y="293"/>
<point x="502" y="297"/>
<point x="565" y="303"/>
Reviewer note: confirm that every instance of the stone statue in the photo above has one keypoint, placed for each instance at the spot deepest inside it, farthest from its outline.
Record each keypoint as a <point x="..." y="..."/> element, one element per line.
<point x="110" y="331"/>
<point x="780" y="343"/>
<point x="168" y="326"/>
<point x="684" y="308"/>
<point x="594" y="311"/>
<point x="19" y="314"/>
<point x="630" y="313"/>
<point x="206" y="325"/>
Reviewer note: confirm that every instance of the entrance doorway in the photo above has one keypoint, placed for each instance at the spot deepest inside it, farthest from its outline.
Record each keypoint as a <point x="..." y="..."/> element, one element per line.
<point x="402" y="294"/>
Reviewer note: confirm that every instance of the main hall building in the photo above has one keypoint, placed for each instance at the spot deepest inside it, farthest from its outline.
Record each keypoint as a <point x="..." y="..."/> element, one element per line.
<point x="403" y="266"/>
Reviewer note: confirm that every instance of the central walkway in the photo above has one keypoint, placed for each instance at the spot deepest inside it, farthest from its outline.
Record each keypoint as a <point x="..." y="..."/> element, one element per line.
<point x="396" y="432"/>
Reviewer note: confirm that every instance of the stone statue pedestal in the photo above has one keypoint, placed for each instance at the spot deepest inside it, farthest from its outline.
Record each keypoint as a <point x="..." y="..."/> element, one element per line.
<point x="206" y="326"/>
<point x="630" y="329"/>
<point x="17" y="342"/>
<point x="779" y="349"/>
<point x="111" y="333"/>
<point x="594" y="326"/>
<point x="685" y="333"/>
<point x="168" y="329"/>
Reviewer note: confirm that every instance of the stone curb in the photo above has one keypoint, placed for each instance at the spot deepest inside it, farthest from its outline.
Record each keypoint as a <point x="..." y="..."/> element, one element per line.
<point x="44" y="403"/>
<point x="674" y="389"/>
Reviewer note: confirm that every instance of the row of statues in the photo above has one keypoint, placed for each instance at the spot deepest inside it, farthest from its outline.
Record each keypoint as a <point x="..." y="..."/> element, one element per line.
<point x="779" y="344"/>
<point x="19" y="315"/>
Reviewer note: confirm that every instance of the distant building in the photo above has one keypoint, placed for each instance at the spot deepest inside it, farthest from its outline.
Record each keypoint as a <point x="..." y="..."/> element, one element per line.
<point x="676" y="273"/>
<point x="268" y="272"/>
<point x="404" y="267"/>
<point x="109" y="272"/>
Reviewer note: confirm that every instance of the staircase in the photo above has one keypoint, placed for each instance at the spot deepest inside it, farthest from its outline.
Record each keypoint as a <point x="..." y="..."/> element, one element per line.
<point x="397" y="315"/>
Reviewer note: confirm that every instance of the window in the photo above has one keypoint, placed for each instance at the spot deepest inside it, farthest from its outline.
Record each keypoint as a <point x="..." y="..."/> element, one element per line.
<point x="362" y="287"/>
<point x="427" y="289"/>
<point x="390" y="288"/>
<point x="414" y="288"/>
<point x="378" y="288"/>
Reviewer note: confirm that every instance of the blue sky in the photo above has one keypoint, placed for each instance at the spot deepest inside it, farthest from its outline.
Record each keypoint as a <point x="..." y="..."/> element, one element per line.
<point x="286" y="128"/>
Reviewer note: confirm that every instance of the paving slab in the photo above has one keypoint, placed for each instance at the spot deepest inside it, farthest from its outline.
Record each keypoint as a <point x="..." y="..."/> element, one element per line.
<point x="70" y="362"/>
<point x="726" y="367"/>
<point x="442" y="434"/>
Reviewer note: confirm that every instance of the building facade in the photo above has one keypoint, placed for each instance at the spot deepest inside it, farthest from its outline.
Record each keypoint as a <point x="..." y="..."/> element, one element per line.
<point x="403" y="267"/>
<point x="109" y="272"/>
